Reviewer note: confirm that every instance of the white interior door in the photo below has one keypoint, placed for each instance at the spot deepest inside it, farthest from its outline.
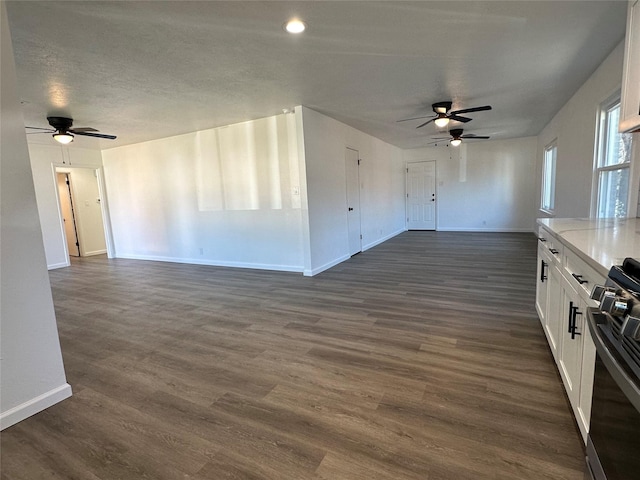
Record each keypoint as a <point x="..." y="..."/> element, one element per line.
<point x="353" y="200"/>
<point x="421" y="196"/>
<point x="88" y="211"/>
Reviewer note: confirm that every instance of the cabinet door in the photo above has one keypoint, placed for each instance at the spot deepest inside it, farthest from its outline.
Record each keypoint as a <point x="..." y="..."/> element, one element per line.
<point x="571" y="343"/>
<point x="586" y="382"/>
<point x="555" y="309"/>
<point x="542" y="284"/>
<point x="630" y="108"/>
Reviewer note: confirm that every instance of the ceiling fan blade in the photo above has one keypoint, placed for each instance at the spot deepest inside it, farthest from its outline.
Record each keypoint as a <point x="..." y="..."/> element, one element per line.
<point x="472" y="136"/>
<point x="97" y="135"/>
<point x="41" y="128"/>
<point x="34" y="133"/>
<point x="414" y="118"/>
<point x="474" y="109"/>
<point x="426" y="123"/>
<point x="440" y="138"/>
<point x="82" y="129"/>
<point x="459" y="119"/>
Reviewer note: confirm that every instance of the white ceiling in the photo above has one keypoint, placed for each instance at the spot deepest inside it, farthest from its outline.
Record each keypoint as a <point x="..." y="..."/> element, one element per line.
<point x="145" y="70"/>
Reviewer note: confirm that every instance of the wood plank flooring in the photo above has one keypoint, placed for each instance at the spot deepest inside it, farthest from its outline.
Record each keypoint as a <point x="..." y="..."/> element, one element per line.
<point x="422" y="358"/>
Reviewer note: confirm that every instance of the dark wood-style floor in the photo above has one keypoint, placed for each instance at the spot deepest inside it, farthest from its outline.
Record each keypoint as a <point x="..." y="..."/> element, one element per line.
<point x="421" y="358"/>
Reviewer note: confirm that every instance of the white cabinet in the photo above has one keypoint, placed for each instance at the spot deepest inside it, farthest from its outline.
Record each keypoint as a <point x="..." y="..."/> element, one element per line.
<point x="630" y="108"/>
<point x="542" y="285"/>
<point x="553" y="320"/>
<point x="562" y="297"/>
<point x="586" y="383"/>
<point x="571" y="333"/>
<point x="548" y="290"/>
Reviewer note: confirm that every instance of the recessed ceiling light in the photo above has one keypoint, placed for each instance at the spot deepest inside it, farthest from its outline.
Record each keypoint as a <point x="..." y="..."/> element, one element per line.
<point x="295" y="26"/>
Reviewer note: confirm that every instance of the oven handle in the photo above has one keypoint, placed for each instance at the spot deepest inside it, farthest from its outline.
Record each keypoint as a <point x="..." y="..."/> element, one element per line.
<point x="596" y="320"/>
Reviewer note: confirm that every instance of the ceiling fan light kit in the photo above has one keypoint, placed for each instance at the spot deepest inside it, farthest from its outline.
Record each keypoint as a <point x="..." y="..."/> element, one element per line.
<point x="64" y="138"/>
<point x="295" y="26"/>
<point x="441" y="121"/>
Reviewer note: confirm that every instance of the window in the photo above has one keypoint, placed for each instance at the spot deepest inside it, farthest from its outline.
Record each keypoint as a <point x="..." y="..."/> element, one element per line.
<point x="547" y="202"/>
<point x="613" y="160"/>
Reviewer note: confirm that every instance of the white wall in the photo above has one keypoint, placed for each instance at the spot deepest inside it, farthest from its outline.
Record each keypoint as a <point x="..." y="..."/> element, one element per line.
<point x="484" y="185"/>
<point x="574" y="127"/>
<point x="228" y="196"/>
<point x="44" y="160"/>
<point x="32" y="376"/>
<point x="381" y="195"/>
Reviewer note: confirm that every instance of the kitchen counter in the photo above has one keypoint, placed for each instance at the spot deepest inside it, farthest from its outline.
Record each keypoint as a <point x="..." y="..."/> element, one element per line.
<point x="599" y="242"/>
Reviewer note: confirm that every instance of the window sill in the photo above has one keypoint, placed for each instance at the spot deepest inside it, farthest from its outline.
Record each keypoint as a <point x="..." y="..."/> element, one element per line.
<point x="551" y="213"/>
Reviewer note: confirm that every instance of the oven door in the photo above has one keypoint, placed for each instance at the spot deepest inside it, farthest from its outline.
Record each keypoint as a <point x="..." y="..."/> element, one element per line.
<point x="614" y="432"/>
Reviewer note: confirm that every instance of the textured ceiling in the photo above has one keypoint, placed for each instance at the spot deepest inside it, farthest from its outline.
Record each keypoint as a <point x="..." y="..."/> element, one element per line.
<point x="145" y="70"/>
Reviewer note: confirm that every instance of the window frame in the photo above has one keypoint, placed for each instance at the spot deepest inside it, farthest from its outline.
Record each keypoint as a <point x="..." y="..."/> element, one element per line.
<point x="603" y="128"/>
<point x="548" y="181"/>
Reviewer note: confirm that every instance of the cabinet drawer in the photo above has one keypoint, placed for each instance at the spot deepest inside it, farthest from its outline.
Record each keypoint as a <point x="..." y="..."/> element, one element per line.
<point x="551" y="243"/>
<point x="580" y="274"/>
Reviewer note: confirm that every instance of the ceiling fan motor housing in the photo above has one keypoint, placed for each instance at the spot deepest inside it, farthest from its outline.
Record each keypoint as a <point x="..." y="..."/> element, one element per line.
<point x="60" y="123"/>
<point x="456" y="132"/>
<point x="441" y="107"/>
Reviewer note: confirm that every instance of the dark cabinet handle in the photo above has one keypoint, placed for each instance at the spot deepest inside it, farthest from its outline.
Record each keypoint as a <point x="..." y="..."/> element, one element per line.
<point x="350" y="209"/>
<point x="542" y="239"/>
<point x="571" y="309"/>
<point x="579" y="278"/>
<point x="543" y="265"/>
<point x="553" y="250"/>
<point x="573" y="312"/>
<point x="573" y="325"/>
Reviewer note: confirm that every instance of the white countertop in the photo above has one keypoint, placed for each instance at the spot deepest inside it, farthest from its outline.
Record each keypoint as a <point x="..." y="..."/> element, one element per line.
<point x="600" y="242"/>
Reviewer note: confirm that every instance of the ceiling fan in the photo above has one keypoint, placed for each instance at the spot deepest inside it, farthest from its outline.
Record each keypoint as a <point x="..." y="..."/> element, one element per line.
<point x="63" y="133"/>
<point x="443" y="115"/>
<point x="457" y="136"/>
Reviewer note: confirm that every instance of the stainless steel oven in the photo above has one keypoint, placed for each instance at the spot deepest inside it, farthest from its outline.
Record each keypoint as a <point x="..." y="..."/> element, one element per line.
<point x="613" y="445"/>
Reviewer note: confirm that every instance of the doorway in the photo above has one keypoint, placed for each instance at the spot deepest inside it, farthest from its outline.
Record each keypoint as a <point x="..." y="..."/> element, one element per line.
<point x="352" y="162"/>
<point x="421" y="196"/>
<point x="68" y="216"/>
<point x="81" y="211"/>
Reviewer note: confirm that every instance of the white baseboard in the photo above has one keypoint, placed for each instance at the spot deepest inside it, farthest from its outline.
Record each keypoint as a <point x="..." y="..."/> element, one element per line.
<point x="382" y="240"/>
<point x="58" y="265"/>
<point x="33" y="406"/>
<point x="326" y="266"/>
<point x="484" y="230"/>
<point x="333" y="263"/>
<point x="213" y="263"/>
<point x="95" y="252"/>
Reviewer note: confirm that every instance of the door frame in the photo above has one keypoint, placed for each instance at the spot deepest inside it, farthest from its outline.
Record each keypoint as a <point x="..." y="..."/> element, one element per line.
<point x="435" y="189"/>
<point x="347" y="190"/>
<point x="104" y="206"/>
